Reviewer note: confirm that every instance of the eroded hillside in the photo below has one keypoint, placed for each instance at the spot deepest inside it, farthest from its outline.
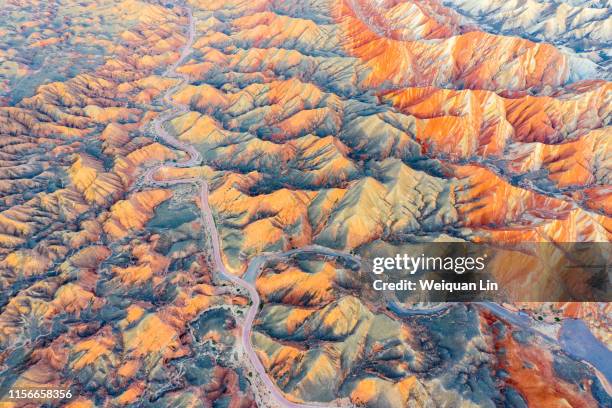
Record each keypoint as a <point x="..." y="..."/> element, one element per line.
<point x="350" y="125"/>
<point x="103" y="278"/>
<point x="330" y="123"/>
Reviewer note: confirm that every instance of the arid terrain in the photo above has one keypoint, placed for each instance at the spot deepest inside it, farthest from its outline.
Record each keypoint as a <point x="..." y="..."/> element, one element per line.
<point x="189" y="192"/>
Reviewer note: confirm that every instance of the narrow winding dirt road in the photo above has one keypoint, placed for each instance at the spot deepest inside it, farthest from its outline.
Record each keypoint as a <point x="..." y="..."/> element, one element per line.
<point x="193" y="159"/>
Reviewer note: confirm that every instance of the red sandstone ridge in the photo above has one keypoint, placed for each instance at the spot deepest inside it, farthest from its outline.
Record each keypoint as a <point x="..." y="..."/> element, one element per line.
<point x="475" y="59"/>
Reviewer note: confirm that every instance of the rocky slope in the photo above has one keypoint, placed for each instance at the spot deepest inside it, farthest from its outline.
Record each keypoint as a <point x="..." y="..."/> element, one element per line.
<point x="584" y="27"/>
<point x="323" y="333"/>
<point x="357" y="125"/>
<point x="105" y="282"/>
<point x="328" y="123"/>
